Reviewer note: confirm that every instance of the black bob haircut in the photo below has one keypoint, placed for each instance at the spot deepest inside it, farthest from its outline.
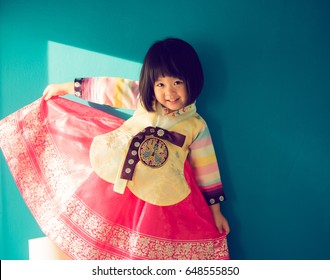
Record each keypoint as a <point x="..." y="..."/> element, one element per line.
<point x="175" y="58"/>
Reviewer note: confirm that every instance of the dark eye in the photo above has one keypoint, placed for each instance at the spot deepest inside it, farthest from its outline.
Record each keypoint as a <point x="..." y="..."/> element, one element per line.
<point x="178" y="82"/>
<point x="159" y="84"/>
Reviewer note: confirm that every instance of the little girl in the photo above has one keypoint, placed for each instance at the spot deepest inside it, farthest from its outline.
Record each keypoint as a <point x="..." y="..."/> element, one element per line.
<point x="104" y="188"/>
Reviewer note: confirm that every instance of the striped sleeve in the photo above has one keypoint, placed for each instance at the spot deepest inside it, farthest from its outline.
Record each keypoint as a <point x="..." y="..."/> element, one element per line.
<point x="204" y="163"/>
<point x="115" y="92"/>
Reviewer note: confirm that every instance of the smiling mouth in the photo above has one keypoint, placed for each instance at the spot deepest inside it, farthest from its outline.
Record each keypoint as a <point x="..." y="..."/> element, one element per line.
<point x="172" y="100"/>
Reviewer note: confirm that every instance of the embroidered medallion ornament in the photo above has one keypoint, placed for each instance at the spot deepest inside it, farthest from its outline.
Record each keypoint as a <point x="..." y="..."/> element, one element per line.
<point x="149" y="146"/>
<point x="153" y="152"/>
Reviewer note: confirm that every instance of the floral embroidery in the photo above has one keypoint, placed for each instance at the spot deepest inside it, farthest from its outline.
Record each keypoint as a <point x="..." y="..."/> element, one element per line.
<point x="141" y="246"/>
<point x="153" y="152"/>
<point x="178" y="112"/>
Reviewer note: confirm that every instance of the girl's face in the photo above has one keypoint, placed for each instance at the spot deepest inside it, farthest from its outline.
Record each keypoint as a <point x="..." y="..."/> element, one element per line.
<point x="171" y="92"/>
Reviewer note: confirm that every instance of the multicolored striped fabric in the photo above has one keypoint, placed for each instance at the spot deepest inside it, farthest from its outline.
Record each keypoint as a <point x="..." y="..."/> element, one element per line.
<point x="115" y="92"/>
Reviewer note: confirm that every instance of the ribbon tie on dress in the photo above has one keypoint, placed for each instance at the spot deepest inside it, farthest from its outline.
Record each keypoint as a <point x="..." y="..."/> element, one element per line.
<point x="133" y="157"/>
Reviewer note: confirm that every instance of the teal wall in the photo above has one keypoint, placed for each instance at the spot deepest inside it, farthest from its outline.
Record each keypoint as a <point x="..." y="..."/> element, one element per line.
<point x="266" y="100"/>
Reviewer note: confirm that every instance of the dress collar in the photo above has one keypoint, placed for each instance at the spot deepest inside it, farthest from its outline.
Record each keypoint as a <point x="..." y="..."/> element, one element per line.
<point x="187" y="110"/>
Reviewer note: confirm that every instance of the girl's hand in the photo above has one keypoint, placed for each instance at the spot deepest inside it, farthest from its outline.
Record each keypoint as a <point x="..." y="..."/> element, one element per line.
<point x="58" y="90"/>
<point x="220" y="221"/>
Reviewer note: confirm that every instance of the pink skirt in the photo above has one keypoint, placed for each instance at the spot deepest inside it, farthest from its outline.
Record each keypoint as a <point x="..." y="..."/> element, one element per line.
<point x="46" y="145"/>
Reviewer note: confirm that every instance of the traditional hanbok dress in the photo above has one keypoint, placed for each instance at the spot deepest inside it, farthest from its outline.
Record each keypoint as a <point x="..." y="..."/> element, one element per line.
<point x="104" y="188"/>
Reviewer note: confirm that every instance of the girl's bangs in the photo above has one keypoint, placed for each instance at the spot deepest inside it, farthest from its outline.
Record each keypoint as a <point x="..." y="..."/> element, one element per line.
<point x="164" y="66"/>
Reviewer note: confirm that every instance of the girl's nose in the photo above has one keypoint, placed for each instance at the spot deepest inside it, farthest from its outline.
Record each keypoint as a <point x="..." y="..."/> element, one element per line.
<point x="171" y="91"/>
